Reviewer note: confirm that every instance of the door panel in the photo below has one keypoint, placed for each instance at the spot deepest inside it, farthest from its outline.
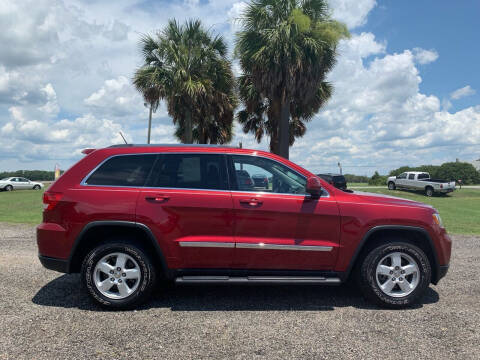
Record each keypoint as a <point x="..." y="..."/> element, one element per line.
<point x="286" y="232"/>
<point x="280" y="227"/>
<point x="194" y="227"/>
<point x="189" y="208"/>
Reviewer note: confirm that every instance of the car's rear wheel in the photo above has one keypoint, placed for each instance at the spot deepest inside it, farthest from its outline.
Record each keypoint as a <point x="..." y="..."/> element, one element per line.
<point x="8" y="188"/>
<point x="429" y="191"/>
<point x="395" y="274"/>
<point x="36" y="187"/>
<point x="391" y="185"/>
<point x="118" y="275"/>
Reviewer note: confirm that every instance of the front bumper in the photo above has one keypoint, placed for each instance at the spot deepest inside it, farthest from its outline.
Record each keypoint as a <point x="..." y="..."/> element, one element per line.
<point x="60" y="265"/>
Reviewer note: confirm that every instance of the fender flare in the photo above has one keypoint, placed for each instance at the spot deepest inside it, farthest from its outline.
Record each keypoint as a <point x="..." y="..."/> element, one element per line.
<point x="115" y="223"/>
<point x="435" y="266"/>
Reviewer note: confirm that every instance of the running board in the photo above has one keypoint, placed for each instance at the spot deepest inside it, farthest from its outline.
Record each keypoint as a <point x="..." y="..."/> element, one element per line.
<point x="257" y="280"/>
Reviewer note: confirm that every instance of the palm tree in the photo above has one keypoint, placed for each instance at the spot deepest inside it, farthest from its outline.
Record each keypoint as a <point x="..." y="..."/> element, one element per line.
<point x="152" y="91"/>
<point x="189" y="68"/>
<point x="286" y="48"/>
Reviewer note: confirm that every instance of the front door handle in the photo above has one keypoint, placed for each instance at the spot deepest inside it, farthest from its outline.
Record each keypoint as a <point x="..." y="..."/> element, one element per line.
<point x="251" y="202"/>
<point x="159" y="198"/>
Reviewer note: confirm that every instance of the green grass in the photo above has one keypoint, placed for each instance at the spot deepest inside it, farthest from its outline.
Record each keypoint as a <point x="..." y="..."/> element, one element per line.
<point x="460" y="210"/>
<point x="22" y="206"/>
<point x="357" y="184"/>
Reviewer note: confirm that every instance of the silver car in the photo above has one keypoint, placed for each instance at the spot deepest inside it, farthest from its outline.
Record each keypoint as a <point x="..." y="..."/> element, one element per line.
<point x="19" y="183"/>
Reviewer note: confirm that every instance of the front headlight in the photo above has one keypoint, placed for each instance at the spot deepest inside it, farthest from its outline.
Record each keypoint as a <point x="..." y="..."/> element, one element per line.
<point x="438" y="220"/>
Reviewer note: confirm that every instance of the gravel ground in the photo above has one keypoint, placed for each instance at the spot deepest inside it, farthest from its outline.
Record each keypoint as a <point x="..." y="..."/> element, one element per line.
<point x="47" y="315"/>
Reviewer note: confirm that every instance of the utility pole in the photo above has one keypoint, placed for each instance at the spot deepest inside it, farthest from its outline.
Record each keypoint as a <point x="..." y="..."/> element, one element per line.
<point x="340" y="167"/>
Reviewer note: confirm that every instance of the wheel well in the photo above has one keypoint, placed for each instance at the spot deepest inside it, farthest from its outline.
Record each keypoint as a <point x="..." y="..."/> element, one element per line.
<point x="428" y="186"/>
<point x="97" y="235"/>
<point x="412" y="236"/>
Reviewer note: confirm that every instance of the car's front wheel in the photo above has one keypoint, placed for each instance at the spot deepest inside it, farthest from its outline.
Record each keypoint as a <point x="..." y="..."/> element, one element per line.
<point x="395" y="274"/>
<point x="36" y="187"/>
<point x="391" y="185"/>
<point x="118" y="275"/>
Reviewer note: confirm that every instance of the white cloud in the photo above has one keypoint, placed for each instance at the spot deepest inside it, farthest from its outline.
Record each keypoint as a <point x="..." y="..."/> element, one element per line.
<point x="51" y="107"/>
<point x="352" y="12"/>
<point x="235" y="13"/>
<point x="117" y="97"/>
<point x="425" y="56"/>
<point x="462" y="92"/>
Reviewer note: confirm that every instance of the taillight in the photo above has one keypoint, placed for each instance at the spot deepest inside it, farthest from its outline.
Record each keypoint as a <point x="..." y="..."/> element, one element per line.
<point x="50" y="200"/>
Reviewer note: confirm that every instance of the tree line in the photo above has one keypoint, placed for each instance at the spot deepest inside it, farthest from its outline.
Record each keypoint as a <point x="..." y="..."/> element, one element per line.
<point x="285" y="49"/>
<point x="450" y="171"/>
<point x="34" y="175"/>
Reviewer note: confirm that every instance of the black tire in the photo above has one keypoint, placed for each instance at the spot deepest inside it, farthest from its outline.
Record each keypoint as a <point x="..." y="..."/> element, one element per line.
<point x="36" y="187"/>
<point x="146" y="281"/>
<point x="9" y="188"/>
<point x="429" y="191"/>
<point x="391" y="185"/>
<point x="368" y="278"/>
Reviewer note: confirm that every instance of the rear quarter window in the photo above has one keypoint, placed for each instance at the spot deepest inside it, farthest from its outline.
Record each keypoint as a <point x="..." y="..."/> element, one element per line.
<point x="123" y="170"/>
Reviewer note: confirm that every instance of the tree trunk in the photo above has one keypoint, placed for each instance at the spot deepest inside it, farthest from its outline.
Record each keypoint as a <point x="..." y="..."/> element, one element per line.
<point x="274" y="121"/>
<point x="284" y="129"/>
<point x="149" y="124"/>
<point x="274" y="143"/>
<point x="188" y="136"/>
<point x="203" y="136"/>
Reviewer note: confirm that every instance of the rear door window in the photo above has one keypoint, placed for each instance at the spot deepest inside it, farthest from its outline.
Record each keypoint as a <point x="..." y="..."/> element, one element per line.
<point x="190" y="171"/>
<point x="123" y="170"/>
<point x="411" y="177"/>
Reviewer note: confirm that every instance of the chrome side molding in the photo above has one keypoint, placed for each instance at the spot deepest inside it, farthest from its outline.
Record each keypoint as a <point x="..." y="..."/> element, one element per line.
<point x="206" y="244"/>
<point x="263" y="246"/>
<point x="260" y="246"/>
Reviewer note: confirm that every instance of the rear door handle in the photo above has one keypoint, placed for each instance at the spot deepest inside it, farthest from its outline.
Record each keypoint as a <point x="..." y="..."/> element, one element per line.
<point x="251" y="202"/>
<point x="159" y="198"/>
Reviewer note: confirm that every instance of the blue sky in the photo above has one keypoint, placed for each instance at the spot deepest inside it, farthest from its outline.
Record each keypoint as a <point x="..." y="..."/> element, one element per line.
<point x="451" y="28"/>
<point x="407" y="90"/>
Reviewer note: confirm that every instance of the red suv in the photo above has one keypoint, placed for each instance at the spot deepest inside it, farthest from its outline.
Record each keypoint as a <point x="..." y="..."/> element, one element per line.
<point x="128" y="215"/>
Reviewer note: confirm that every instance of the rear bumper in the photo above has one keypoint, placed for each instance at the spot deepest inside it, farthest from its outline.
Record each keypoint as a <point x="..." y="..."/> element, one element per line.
<point x="60" y="265"/>
<point x="444" y="191"/>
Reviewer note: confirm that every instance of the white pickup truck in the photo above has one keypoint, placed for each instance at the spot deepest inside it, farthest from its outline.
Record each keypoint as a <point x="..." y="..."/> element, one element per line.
<point x="415" y="180"/>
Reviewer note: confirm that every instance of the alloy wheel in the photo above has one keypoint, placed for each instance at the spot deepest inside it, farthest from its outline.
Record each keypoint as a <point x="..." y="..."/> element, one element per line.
<point x="397" y="274"/>
<point x="117" y="276"/>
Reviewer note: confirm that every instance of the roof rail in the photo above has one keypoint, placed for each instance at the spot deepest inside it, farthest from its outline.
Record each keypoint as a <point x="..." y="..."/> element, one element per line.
<point x="170" y="145"/>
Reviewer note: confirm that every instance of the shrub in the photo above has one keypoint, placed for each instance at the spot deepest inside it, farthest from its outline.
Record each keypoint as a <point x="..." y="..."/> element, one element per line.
<point x="377" y="179"/>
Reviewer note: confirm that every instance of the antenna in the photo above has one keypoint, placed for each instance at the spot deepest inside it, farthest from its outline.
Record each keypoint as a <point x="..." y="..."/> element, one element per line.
<point x="123" y="137"/>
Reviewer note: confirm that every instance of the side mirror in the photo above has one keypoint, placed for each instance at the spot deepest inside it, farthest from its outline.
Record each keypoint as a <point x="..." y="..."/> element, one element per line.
<point x="314" y="187"/>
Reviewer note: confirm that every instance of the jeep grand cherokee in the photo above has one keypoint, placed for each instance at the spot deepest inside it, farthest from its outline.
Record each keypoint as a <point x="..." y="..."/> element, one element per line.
<point x="126" y="216"/>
